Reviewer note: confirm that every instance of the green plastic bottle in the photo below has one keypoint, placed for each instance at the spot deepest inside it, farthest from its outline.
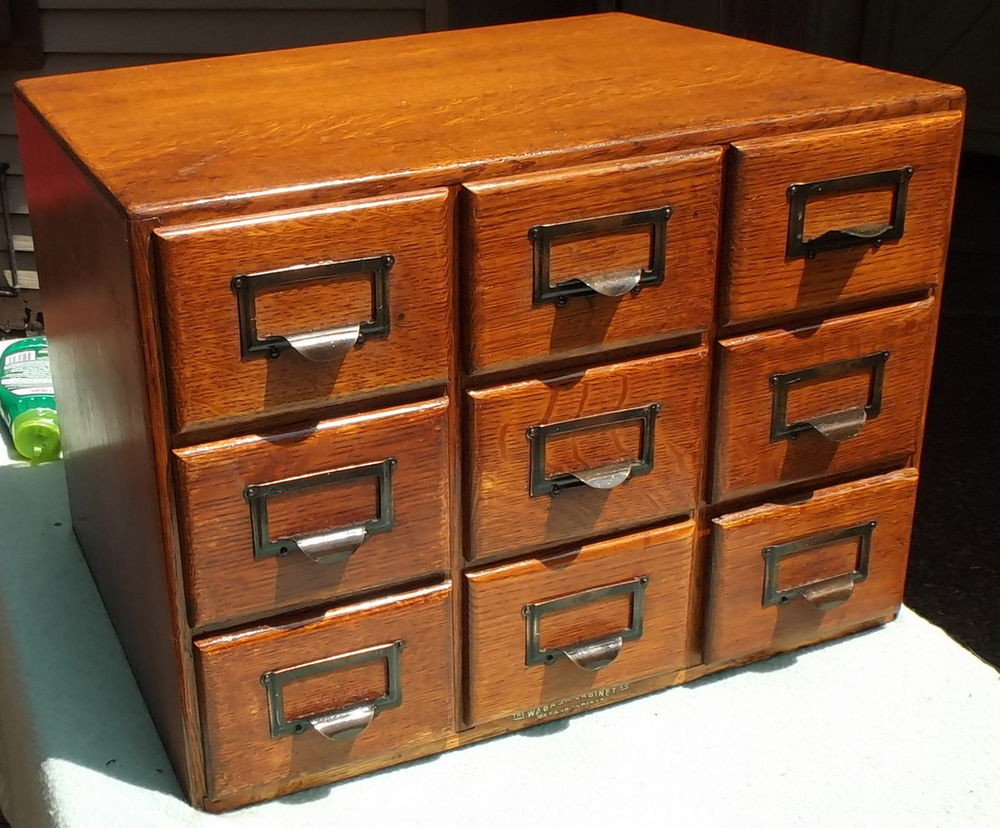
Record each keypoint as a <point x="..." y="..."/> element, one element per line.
<point x="27" y="400"/>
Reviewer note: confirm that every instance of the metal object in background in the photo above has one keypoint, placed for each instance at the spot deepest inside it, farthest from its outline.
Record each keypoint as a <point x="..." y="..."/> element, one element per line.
<point x="11" y="288"/>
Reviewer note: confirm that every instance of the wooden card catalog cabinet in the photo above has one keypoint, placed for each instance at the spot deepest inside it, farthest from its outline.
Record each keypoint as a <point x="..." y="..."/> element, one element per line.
<point x="404" y="399"/>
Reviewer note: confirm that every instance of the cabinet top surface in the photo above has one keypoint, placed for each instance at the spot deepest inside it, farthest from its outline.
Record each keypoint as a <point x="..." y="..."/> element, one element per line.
<point x="440" y="108"/>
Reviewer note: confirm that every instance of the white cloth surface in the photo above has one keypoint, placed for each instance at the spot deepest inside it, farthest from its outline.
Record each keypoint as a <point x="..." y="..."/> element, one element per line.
<point x="893" y="727"/>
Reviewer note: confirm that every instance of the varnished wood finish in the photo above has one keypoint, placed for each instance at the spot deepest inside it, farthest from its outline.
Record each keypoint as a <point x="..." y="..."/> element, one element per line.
<point x="100" y="362"/>
<point x="430" y="110"/>
<point x="738" y="625"/>
<point x="159" y="185"/>
<point x="499" y="682"/>
<point x="506" y="520"/>
<point x="507" y="328"/>
<point x="747" y="461"/>
<point x="591" y="700"/>
<point x="760" y="281"/>
<point x="240" y="749"/>
<point x="211" y="385"/>
<point x="224" y="581"/>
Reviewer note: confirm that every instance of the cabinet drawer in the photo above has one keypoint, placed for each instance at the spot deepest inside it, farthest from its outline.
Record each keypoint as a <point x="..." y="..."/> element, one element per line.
<point x="825" y="399"/>
<point x="888" y="183"/>
<point x="274" y="521"/>
<point x="546" y="629"/>
<point x="576" y="261"/>
<point x="306" y="698"/>
<point x="584" y="454"/>
<point x="788" y="575"/>
<point x="286" y="311"/>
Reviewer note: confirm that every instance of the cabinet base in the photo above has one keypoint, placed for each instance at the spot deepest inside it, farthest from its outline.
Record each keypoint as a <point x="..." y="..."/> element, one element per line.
<point x="547" y="712"/>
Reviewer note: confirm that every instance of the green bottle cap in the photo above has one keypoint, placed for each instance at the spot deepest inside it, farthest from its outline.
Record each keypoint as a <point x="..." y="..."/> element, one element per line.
<point x="36" y="434"/>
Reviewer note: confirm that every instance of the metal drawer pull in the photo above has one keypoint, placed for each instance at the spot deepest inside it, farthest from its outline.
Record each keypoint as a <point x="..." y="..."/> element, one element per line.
<point x="328" y="345"/>
<point x="605" y="477"/>
<point x="615" y="283"/>
<point x="324" y="346"/>
<point x="837" y="426"/>
<point x="341" y="723"/>
<point x="327" y="546"/>
<point x="874" y="234"/>
<point x="330" y="547"/>
<point x="344" y="724"/>
<point x="602" y="477"/>
<point x="589" y="655"/>
<point x="827" y="593"/>
<point x="841" y="425"/>
<point x="594" y="655"/>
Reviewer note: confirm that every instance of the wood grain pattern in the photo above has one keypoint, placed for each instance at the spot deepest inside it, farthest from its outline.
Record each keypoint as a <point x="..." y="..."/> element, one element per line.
<point x="499" y="682"/>
<point x="211" y="385"/>
<point x="355" y="150"/>
<point x="592" y="700"/>
<point x="737" y="623"/>
<point x="759" y="281"/>
<point x="140" y="236"/>
<point x="224" y="581"/>
<point x="506" y="520"/>
<point x="433" y="109"/>
<point x="240" y="750"/>
<point x="103" y="374"/>
<point x="746" y="461"/>
<point x="506" y="327"/>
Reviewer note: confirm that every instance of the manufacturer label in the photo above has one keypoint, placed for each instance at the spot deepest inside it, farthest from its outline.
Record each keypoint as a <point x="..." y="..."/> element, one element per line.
<point x="18" y="357"/>
<point x="27" y="373"/>
<point x="570" y="705"/>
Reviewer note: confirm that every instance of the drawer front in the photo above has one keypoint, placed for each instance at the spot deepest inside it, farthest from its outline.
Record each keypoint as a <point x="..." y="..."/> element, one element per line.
<point x="576" y="261"/>
<point x="550" y="629"/>
<point x="272" y="522"/>
<point x="888" y="184"/>
<point x="571" y="457"/>
<point x="288" y="311"/>
<point x="826" y="399"/>
<point x="788" y="575"/>
<point x="304" y="699"/>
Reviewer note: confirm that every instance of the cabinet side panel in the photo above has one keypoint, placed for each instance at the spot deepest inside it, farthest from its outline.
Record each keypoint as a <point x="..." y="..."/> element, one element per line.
<point x="100" y="374"/>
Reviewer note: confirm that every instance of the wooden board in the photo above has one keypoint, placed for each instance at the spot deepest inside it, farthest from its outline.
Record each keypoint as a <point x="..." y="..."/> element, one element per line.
<point x="737" y="623"/>
<point x="760" y="281"/>
<point x="504" y="519"/>
<point x="197" y="176"/>
<point x="224" y="581"/>
<point x="212" y="385"/>
<point x="240" y="749"/>
<point x="104" y="367"/>
<point x="520" y="720"/>
<point x="508" y="328"/>
<point x="748" y="461"/>
<point x="500" y="683"/>
<point x="363" y="116"/>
